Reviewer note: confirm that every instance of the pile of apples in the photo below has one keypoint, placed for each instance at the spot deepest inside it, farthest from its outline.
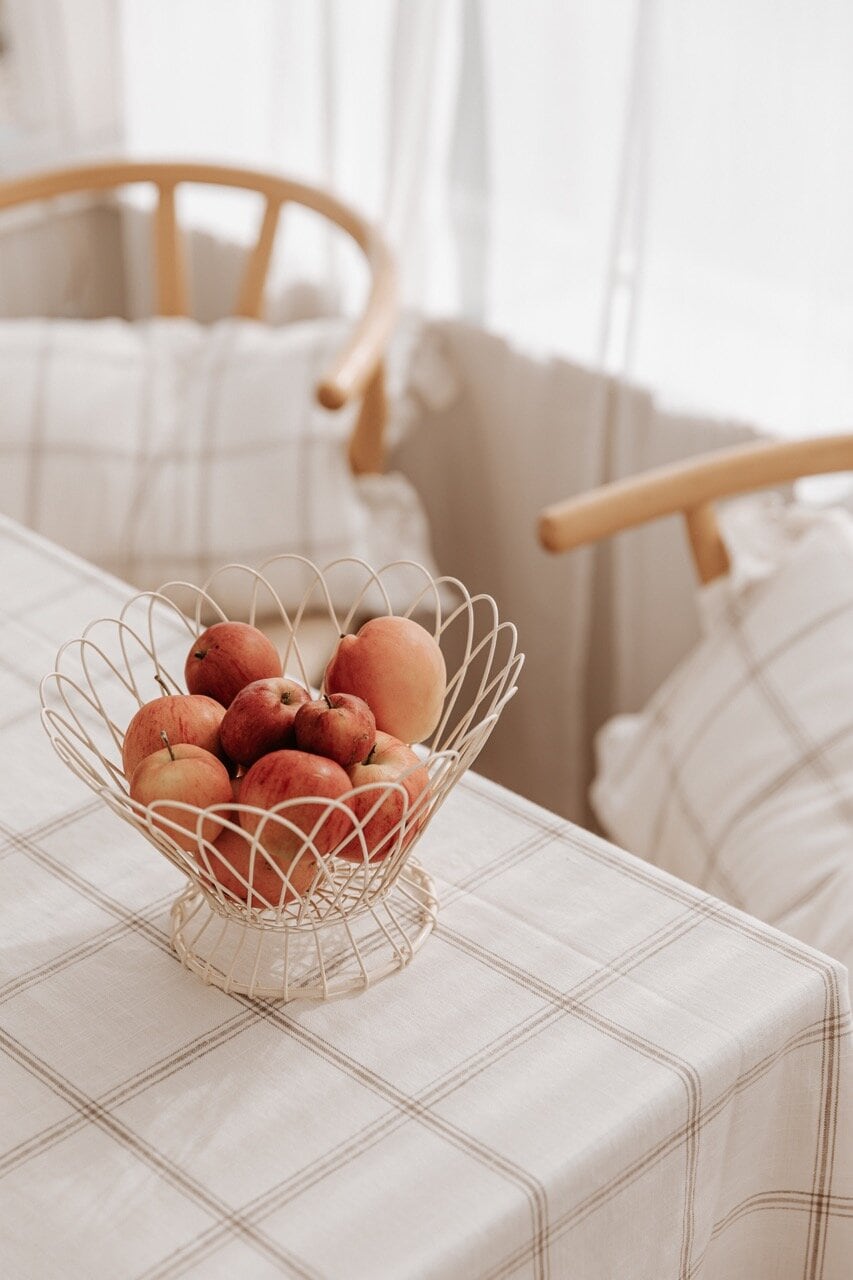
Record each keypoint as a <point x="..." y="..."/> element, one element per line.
<point x="246" y="732"/>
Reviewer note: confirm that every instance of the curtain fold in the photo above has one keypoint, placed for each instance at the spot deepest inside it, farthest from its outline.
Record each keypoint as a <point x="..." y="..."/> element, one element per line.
<point x="62" y="66"/>
<point x="648" y="186"/>
<point x="601" y="627"/>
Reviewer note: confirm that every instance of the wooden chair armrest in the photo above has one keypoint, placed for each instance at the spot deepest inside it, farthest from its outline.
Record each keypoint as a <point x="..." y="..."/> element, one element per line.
<point x="690" y="488"/>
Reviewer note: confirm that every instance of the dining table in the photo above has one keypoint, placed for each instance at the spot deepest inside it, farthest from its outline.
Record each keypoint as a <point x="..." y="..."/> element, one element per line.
<point x="590" y="1069"/>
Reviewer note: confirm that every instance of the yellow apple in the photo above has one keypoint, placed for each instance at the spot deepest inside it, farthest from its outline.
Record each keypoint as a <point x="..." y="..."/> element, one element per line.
<point x="398" y="668"/>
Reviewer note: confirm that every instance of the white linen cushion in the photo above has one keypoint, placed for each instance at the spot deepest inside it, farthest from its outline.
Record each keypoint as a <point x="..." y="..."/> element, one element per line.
<point x="162" y="449"/>
<point x="738" y="774"/>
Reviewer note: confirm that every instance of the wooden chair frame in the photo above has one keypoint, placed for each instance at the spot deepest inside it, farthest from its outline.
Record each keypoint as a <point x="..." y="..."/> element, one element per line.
<point x="357" y="369"/>
<point x="691" y="488"/>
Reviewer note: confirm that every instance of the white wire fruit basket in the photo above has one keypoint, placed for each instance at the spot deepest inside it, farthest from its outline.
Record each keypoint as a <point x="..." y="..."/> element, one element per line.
<point x="331" y="923"/>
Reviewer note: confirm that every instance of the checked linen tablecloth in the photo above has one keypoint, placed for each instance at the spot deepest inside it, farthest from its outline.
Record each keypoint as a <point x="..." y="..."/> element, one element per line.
<point x="590" y="1069"/>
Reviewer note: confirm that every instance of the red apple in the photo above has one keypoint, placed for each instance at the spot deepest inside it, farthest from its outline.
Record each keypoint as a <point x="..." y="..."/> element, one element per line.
<point x="228" y="656"/>
<point x="338" y="725"/>
<point x="260" y="719"/>
<point x="389" y="761"/>
<point x="286" y="775"/>
<point x="183" y="717"/>
<point x="188" y="774"/>
<point x="397" y="667"/>
<point x="229" y="866"/>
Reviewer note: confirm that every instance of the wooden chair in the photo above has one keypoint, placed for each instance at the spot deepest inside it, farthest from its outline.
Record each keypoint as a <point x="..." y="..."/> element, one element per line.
<point x="357" y="371"/>
<point x="691" y="488"/>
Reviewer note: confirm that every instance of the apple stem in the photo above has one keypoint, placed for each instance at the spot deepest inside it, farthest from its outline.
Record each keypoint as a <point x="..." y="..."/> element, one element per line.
<point x="371" y="753"/>
<point x="328" y="700"/>
<point x="162" y="683"/>
<point x="164" y="735"/>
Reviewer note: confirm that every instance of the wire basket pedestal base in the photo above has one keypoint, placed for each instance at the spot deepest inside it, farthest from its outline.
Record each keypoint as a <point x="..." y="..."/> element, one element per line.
<point x="322" y="961"/>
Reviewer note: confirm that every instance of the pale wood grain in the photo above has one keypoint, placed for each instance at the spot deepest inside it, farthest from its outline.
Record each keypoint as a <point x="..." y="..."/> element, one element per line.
<point x="690" y="487"/>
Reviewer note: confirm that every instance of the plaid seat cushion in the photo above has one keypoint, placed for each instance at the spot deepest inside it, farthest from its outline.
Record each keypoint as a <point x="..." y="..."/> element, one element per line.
<point x="738" y="774"/>
<point x="163" y="449"/>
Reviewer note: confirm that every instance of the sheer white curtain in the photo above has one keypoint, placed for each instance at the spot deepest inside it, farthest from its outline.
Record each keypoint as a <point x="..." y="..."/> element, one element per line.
<point x="659" y="186"/>
<point x="60" y="98"/>
<point x="59" y="89"/>
<point x="630" y="220"/>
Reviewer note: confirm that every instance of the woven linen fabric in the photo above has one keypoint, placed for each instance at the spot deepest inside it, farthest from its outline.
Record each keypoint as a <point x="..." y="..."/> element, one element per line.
<point x="162" y="449"/>
<point x="590" y="1069"/>
<point x="738" y="775"/>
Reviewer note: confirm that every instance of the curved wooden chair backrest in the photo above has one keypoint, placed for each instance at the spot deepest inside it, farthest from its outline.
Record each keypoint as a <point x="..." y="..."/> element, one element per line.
<point x="691" y="488"/>
<point x="357" y="370"/>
